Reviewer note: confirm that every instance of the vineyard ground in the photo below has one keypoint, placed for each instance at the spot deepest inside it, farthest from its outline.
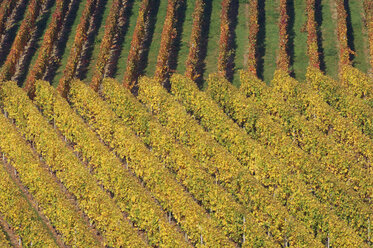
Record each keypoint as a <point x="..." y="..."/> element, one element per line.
<point x="357" y="34"/>
<point x="241" y="36"/>
<point x="185" y="32"/>
<point x="124" y="42"/>
<point x="156" y="38"/>
<point x="294" y="111"/>
<point x="68" y="40"/>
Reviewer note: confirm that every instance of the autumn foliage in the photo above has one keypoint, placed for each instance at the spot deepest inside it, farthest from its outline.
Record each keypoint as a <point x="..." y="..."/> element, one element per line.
<point x="312" y="45"/>
<point x="193" y="62"/>
<point x="169" y="33"/>
<point x="6" y="8"/>
<point x="23" y="36"/>
<point x="253" y="33"/>
<point x="134" y="57"/>
<point x="225" y="52"/>
<point x="46" y="48"/>
<point x="76" y="49"/>
<point x="283" y="59"/>
<point x="111" y="28"/>
<point x="344" y="50"/>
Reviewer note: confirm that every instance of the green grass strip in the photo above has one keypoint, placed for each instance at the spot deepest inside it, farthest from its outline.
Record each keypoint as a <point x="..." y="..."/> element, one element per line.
<point x="185" y="36"/>
<point x="242" y="34"/>
<point x="97" y="42"/>
<point x="126" y="44"/>
<point x="212" y="54"/>
<point x="360" y="35"/>
<point x="156" y="41"/>
<point x="39" y="42"/>
<point x="271" y="41"/>
<point x="69" y="44"/>
<point x="329" y="37"/>
<point x="300" y="40"/>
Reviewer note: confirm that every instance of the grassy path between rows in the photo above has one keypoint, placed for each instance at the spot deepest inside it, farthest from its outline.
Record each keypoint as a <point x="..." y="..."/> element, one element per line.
<point x="329" y="37"/>
<point x="271" y="39"/>
<point x="241" y="40"/>
<point x="156" y="41"/>
<point x="45" y="25"/>
<point x="185" y="36"/>
<point x="359" y="34"/>
<point x="69" y="44"/>
<point x="97" y="42"/>
<point x="212" y="55"/>
<point x="126" y="44"/>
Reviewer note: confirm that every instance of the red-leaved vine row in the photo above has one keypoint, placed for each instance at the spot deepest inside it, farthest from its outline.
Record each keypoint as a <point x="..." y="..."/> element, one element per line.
<point x="6" y="8"/>
<point x="134" y="57"/>
<point x="344" y="49"/>
<point x="46" y="48"/>
<point x="169" y="33"/>
<point x="23" y="36"/>
<point x="312" y="45"/>
<point x="283" y="60"/>
<point x="253" y="32"/>
<point x="225" y="52"/>
<point x="368" y="7"/>
<point x="76" y="50"/>
<point x="193" y="63"/>
<point x="111" y="28"/>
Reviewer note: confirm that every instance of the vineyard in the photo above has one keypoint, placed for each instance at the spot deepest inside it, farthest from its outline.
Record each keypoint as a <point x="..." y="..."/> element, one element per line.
<point x="186" y="123"/>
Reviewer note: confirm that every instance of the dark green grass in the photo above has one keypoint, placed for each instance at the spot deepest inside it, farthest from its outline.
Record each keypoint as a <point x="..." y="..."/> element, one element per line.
<point x="241" y="40"/>
<point x="300" y="40"/>
<point x="329" y="39"/>
<point x="126" y="44"/>
<point x="97" y="42"/>
<point x="212" y="55"/>
<point x="156" y="40"/>
<point x="185" y="37"/>
<point x="39" y="42"/>
<point x="69" y="44"/>
<point x="359" y="35"/>
<point x="271" y="39"/>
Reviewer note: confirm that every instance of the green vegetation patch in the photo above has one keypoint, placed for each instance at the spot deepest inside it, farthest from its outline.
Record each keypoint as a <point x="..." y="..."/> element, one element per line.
<point x="359" y="35"/>
<point x="241" y="40"/>
<point x="97" y="42"/>
<point x="271" y="39"/>
<point x="185" y="36"/>
<point x="126" y="44"/>
<point x="69" y="44"/>
<point x="156" y="41"/>
<point x="329" y="37"/>
<point x="212" y="55"/>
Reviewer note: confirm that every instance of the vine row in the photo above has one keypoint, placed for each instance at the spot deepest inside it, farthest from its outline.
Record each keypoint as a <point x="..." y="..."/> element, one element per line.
<point x="172" y="196"/>
<point x="68" y="168"/>
<point x="128" y="192"/>
<point x="178" y="158"/>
